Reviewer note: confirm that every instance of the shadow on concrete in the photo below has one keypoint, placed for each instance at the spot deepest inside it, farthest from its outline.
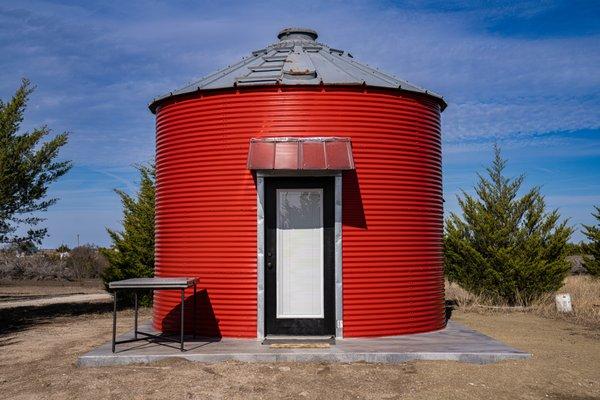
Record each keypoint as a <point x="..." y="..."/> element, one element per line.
<point x="206" y="323"/>
<point x="167" y="341"/>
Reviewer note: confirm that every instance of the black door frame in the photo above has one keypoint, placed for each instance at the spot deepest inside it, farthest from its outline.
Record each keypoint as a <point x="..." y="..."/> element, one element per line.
<point x="299" y="326"/>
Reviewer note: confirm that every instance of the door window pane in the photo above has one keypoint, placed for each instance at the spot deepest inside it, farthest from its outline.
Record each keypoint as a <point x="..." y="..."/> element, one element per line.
<point x="300" y="253"/>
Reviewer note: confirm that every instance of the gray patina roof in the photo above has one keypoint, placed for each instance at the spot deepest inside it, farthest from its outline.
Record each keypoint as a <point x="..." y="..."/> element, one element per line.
<point x="297" y="59"/>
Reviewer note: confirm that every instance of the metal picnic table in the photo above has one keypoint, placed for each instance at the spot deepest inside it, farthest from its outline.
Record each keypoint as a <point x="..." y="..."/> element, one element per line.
<point x="179" y="283"/>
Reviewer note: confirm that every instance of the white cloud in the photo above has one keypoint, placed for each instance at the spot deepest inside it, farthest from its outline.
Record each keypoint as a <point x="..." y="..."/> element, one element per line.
<point x="522" y="117"/>
<point x="105" y="62"/>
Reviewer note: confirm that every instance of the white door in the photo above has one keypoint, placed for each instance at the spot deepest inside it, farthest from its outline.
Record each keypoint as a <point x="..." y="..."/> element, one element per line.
<point x="299" y="267"/>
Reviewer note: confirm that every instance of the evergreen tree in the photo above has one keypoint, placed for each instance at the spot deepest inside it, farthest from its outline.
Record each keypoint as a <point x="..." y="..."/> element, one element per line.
<point x="592" y="261"/>
<point x="132" y="251"/>
<point x="63" y="248"/>
<point x="27" y="167"/>
<point x="504" y="247"/>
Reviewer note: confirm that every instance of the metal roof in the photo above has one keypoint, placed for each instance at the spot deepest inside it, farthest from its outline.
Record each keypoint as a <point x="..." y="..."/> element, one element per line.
<point x="297" y="59"/>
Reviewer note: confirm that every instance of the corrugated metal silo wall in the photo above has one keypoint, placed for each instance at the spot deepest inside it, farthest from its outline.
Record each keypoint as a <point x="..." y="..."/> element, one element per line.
<point x="392" y="206"/>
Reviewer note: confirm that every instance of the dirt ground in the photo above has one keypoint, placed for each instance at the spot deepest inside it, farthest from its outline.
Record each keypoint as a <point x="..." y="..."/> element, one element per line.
<point x="29" y="290"/>
<point x="38" y="361"/>
<point x="29" y="294"/>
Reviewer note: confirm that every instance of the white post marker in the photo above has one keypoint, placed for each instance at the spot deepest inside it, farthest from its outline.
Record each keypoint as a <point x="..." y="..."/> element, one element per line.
<point x="563" y="303"/>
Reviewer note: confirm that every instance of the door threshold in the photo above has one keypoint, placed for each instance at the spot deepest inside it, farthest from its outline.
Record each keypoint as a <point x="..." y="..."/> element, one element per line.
<point x="291" y="339"/>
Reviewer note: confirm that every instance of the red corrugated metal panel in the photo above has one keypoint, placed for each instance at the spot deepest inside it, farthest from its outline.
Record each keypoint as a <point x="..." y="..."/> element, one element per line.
<point x="313" y="156"/>
<point x="392" y="203"/>
<point x="308" y="153"/>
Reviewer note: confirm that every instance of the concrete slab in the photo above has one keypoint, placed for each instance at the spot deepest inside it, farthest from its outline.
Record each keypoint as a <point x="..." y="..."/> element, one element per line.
<point x="456" y="342"/>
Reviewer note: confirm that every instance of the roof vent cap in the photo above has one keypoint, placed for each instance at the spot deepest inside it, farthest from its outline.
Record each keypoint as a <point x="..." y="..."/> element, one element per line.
<point x="297" y="34"/>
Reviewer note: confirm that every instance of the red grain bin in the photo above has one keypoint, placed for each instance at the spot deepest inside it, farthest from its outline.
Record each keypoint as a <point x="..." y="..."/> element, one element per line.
<point x="304" y="190"/>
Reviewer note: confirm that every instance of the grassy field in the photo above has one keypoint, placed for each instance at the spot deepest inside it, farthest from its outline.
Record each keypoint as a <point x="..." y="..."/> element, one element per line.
<point x="584" y="291"/>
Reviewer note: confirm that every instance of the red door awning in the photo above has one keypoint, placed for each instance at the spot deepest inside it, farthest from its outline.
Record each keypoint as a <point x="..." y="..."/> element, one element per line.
<point x="305" y="153"/>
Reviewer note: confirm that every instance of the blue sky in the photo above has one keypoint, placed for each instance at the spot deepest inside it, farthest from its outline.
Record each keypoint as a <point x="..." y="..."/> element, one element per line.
<point x="522" y="74"/>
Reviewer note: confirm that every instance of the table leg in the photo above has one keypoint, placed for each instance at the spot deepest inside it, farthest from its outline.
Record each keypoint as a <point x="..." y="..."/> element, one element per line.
<point x="194" y="317"/>
<point x="182" y="315"/>
<point x="114" y="332"/>
<point x="135" y="323"/>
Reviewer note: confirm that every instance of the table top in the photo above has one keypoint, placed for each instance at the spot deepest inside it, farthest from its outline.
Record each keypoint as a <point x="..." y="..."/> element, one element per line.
<point x="153" y="283"/>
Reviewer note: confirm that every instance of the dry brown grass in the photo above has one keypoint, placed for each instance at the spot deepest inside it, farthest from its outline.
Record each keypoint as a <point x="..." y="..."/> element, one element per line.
<point x="83" y="262"/>
<point x="585" y="296"/>
<point x="584" y="291"/>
